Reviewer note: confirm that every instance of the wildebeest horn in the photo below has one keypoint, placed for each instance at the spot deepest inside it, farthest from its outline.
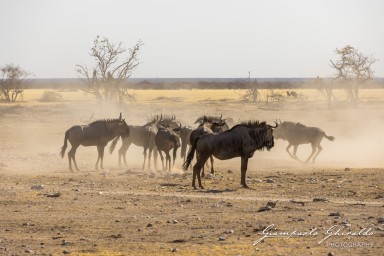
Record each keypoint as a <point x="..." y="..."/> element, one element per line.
<point x="275" y="125"/>
<point x="161" y="117"/>
<point x="120" y="116"/>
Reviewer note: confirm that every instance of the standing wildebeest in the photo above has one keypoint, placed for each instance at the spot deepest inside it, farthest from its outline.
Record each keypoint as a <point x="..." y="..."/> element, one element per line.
<point x="141" y="136"/>
<point x="218" y="119"/>
<point x="297" y="133"/>
<point x="242" y="140"/>
<point x="208" y="124"/>
<point x="185" y="135"/>
<point x="97" y="133"/>
<point x="166" y="139"/>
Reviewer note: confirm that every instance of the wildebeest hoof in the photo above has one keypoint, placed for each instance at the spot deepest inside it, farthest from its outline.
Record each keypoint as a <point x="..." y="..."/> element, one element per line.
<point x="245" y="186"/>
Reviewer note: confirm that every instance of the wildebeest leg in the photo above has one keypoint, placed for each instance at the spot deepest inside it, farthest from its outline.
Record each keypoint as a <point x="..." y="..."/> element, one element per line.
<point x="212" y="171"/>
<point x="123" y="150"/>
<point x="162" y="159"/>
<point x="197" y="159"/>
<point x="244" y="165"/>
<point x="71" y="156"/>
<point x="145" y="157"/>
<point x="155" y="151"/>
<point x="167" y="161"/>
<point x="313" y="152"/>
<point x="294" y="153"/>
<point x="287" y="149"/>
<point x="100" y="150"/>
<point x="149" y="157"/>
<point x="196" y="171"/>
<point x="319" y="148"/>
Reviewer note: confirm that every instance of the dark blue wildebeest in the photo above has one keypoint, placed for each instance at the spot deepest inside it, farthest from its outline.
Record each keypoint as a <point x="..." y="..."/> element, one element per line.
<point x="242" y="140"/>
<point x="97" y="133"/>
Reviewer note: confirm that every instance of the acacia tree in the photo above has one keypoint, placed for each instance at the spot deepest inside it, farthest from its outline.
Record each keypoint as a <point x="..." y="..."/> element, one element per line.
<point x="11" y="82"/>
<point x="113" y="66"/>
<point x="353" y="69"/>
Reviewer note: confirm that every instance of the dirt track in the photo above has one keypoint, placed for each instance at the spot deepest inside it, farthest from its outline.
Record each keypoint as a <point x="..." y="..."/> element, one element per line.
<point x="45" y="209"/>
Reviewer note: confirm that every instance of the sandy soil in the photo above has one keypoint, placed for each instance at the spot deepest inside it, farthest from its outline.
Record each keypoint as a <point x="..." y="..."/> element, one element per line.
<point x="48" y="210"/>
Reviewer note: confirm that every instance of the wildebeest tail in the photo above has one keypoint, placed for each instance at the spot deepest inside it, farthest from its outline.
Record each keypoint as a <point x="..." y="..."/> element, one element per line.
<point x="64" y="147"/>
<point x="331" y="138"/>
<point x="190" y="155"/>
<point x="113" y="144"/>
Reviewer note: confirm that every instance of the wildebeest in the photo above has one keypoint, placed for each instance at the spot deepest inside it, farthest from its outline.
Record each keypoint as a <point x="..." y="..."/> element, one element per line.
<point x="242" y="140"/>
<point x="218" y="119"/>
<point x="141" y="136"/>
<point x="167" y="139"/>
<point x="185" y="135"/>
<point x="208" y="124"/>
<point x="97" y="133"/>
<point x="297" y="133"/>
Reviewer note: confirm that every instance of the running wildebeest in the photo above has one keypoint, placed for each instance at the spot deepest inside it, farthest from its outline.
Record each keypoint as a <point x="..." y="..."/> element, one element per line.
<point x="97" y="133"/>
<point x="242" y="140"/>
<point x="167" y="139"/>
<point x="208" y="125"/>
<point x="141" y="136"/>
<point x="297" y="133"/>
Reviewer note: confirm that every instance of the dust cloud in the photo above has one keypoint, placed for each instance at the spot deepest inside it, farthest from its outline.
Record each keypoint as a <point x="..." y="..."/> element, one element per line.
<point x="33" y="133"/>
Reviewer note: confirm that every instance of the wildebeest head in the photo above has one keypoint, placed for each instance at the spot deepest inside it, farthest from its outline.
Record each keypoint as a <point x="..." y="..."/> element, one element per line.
<point x="269" y="136"/>
<point x="122" y="127"/>
<point x="280" y="131"/>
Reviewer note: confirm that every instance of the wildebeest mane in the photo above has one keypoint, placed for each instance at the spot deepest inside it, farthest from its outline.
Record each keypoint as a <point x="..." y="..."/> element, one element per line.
<point x="250" y="124"/>
<point x="106" y="121"/>
<point x="209" y="119"/>
<point x="294" y="124"/>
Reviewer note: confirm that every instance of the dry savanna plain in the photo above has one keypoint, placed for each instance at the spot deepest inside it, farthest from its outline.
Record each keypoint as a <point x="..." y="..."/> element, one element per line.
<point x="332" y="207"/>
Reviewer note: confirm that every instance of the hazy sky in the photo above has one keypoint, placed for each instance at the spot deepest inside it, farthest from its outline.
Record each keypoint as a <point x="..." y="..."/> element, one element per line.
<point x="200" y="38"/>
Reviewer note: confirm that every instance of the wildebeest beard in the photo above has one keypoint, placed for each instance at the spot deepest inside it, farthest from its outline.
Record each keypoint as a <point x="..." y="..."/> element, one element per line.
<point x="260" y="139"/>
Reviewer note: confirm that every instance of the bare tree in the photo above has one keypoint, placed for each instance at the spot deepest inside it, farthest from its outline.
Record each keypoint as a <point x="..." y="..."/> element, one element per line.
<point x="353" y="69"/>
<point x="251" y="90"/>
<point x="11" y="82"/>
<point x="106" y="80"/>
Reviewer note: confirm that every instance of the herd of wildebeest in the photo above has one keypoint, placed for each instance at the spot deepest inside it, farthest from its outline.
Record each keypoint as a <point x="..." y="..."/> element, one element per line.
<point x="213" y="137"/>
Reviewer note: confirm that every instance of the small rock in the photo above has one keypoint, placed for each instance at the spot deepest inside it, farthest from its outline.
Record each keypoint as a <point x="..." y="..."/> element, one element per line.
<point x="271" y="204"/>
<point x="175" y="221"/>
<point x="221" y="238"/>
<point x="149" y="225"/>
<point x="117" y="236"/>
<point x="67" y="252"/>
<point x="174" y="250"/>
<point x="320" y="199"/>
<point x="264" y="208"/>
<point x="28" y="251"/>
<point x="347" y="169"/>
<point x="331" y="254"/>
<point x="380" y="220"/>
<point x="345" y="222"/>
<point x="335" y="214"/>
<point x="55" y="194"/>
<point x="229" y="171"/>
<point x="270" y="181"/>
<point x="37" y="187"/>
<point x="229" y="231"/>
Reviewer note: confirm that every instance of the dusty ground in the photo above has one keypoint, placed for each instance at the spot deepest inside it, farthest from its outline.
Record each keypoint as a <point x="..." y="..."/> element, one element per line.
<point x="47" y="210"/>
